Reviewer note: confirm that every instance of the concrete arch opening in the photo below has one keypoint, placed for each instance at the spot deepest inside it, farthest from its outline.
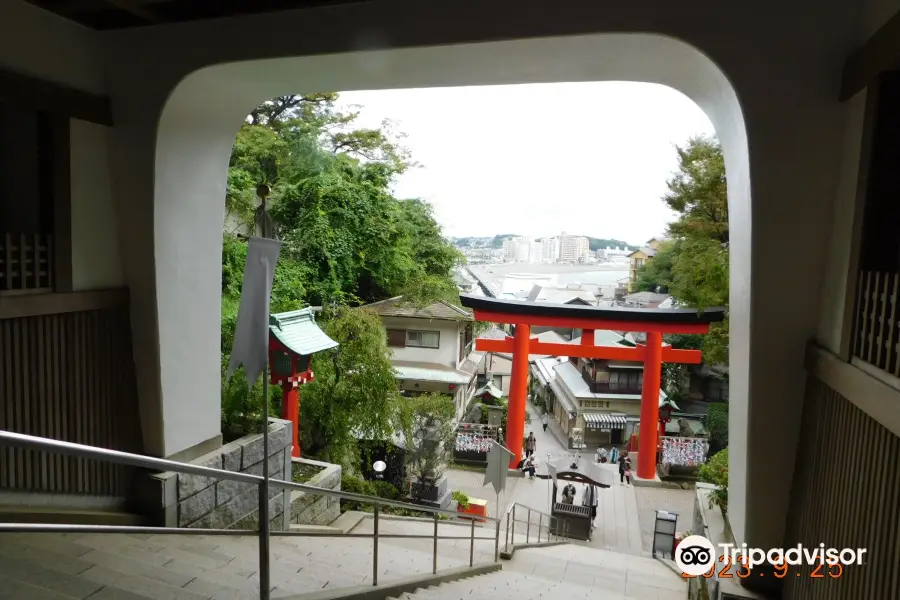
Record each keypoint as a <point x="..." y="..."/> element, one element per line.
<point x="195" y="136"/>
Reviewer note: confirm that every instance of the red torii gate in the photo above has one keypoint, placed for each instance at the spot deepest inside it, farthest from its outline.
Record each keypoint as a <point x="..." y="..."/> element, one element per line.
<point x="653" y="321"/>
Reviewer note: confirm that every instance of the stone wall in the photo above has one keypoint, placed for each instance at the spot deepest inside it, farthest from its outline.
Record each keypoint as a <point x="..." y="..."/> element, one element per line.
<point x="179" y="500"/>
<point x="314" y="509"/>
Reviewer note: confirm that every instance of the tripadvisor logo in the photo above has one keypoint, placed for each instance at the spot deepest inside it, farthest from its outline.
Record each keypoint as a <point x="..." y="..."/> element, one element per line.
<point x="695" y="555"/>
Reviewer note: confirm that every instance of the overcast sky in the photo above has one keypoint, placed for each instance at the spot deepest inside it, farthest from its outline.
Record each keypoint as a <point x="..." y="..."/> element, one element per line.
<point x="586" y="158"/>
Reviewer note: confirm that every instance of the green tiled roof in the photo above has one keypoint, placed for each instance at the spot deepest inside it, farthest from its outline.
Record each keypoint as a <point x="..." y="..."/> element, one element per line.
<point x="298" y="331"/>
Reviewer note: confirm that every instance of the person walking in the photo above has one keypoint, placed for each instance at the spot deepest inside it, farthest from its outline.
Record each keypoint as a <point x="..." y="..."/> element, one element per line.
<point x="628" y="470"/>
<point x="545" y="420"/>
<point x="530" y="444"/>
<point x="622" y="460"/>
<point x="614" y="454"/>
<point x="591" y="500"/>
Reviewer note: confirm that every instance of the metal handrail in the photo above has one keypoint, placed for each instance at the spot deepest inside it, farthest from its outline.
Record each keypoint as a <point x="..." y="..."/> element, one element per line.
<point x="511" y="521"/>
<point x="9" y="438"/>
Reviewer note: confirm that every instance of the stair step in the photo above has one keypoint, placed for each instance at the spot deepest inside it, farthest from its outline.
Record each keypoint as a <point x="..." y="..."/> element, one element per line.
<point x="12" y="589"/>
<point x="30" y="572"/>
<point x="62" y="515"/>
<point x="142" y="586"/>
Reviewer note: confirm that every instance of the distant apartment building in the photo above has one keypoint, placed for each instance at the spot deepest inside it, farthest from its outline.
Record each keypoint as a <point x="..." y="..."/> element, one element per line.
<point x="535" y="251"/>
<point x="550" y="250"/>
<point x="516" y="249"/>
<point x="573" y="248"/>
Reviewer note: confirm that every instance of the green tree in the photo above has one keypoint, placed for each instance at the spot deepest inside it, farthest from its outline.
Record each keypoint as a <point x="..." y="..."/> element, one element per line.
<point x="717" y="425"/>
<point x="347" y="241"/>
<point x="354" y="395"/>
<point x="656" y="274"/>
<point x="694" y="268"/>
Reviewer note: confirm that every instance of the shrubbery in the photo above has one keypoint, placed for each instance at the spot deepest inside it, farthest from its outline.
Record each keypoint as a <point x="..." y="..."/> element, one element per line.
<point x="716" y="472"/>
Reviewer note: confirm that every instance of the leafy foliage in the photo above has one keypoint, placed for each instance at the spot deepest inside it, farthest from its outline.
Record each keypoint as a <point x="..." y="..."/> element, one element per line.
<point x="347" y="241"/>
<point x="656" y="274"/>
<point x="354" y="394"/>
<point x="717" y="425"/>
<point x="694" y="267"/>
<point x="716" y="472"/>
<point x="461" y="498"/>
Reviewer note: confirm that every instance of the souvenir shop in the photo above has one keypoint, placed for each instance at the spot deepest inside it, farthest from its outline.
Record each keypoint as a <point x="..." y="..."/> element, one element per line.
<point x="684" y="452"/>
<point x="604" y="429"/>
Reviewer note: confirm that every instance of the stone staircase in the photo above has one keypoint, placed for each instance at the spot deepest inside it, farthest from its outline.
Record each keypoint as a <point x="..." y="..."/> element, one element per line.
<point x="50" y="566"/>
<point x="565" y="572"/>
<point x="47" y="566"/>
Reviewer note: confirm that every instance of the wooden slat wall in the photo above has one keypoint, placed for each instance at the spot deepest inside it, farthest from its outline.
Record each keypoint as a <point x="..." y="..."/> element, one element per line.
<point x="846" y="494"/>
<point x="876" y="337"/>
<point x="68" y="377"/>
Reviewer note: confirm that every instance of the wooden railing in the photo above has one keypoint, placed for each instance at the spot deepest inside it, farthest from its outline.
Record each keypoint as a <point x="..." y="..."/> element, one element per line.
<point x="876" y="338"/>
<point x="26" y="262"/>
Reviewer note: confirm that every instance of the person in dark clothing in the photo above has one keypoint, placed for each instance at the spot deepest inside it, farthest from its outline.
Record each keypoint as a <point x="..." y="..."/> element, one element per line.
<point x="530" y="444"/>
<point x="623" y="458"/>
<point x="627" y="471"/>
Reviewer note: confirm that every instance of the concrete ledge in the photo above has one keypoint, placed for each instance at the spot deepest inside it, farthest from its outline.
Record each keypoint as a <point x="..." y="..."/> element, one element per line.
<point x="349" y="520"/>
<point x="398" y="587"/>
<point x="655" y="483"/>
<point x="295" y="528"/>
<point x="508" y="555"/>
<point x="670" y="564"/>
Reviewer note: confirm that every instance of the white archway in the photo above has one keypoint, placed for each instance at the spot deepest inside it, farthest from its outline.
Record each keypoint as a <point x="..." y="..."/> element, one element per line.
<point x="196" y="132"/>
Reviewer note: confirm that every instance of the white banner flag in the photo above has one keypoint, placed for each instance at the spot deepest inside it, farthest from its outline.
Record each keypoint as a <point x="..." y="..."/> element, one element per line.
<point x="497" y="466"/>
<point x="251" y="334"/>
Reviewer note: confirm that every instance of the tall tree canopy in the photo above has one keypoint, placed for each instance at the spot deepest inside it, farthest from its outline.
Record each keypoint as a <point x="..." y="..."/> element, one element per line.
<point x="347" y="241"/>
<point x="693" y="267"/>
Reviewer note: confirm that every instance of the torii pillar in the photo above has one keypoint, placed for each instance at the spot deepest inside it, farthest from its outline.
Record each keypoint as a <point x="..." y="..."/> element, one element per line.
<point x="655" y="322"/>
<point x="518" y="389"/>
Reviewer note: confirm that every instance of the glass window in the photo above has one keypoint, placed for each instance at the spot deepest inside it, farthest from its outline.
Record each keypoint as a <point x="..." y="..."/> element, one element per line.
<point x="423" y="339"/>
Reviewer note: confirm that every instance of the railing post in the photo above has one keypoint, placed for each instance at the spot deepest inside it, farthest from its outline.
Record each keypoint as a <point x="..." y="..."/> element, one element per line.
<point x="528" y="527"/>
<point x="472" y="545"/>
<point x="540" y="525"/>
<point x="264" y="538"/>
<point x="375" y="550"/>
<point x="434" y="557"/>
<point x="497" y="540"/>
<point x="512" y="538"/>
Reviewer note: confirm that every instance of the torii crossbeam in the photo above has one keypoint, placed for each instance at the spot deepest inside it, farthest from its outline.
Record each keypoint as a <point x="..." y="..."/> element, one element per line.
<point x="653" y="321"/>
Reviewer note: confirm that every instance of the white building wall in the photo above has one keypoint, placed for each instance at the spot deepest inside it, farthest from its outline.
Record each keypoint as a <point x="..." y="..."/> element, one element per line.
<point x="447" y="354"/>
<point x="96" y="259"/>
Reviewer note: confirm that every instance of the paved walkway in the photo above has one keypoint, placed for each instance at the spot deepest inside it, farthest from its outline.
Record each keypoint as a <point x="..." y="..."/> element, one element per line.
<point x="618" y="527"/>
<point x="650" y="499"/>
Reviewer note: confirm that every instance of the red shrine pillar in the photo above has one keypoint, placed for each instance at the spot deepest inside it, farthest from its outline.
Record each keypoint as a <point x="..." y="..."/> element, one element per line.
<point x="518" y="387"/>
<point x="647" y="442"/>
<point x="290" y="411"/>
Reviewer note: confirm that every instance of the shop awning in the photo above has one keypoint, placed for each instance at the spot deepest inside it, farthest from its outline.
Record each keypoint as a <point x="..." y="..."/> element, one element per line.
<point x="604" y="420"/>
